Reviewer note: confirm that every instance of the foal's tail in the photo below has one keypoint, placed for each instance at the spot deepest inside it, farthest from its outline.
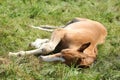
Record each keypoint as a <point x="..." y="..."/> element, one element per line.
<point x="45" y="27"/>
<point x="52" y="28"/>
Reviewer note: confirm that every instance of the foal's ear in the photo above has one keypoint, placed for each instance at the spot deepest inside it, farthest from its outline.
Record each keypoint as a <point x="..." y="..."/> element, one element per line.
<point x="84" y="46"/>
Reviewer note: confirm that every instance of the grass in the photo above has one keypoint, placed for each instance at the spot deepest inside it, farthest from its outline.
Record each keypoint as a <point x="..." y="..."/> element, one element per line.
<point x="15" y="35"/>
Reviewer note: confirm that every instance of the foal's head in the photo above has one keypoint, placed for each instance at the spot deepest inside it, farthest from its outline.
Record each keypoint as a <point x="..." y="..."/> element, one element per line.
<point x="77" y="57"/>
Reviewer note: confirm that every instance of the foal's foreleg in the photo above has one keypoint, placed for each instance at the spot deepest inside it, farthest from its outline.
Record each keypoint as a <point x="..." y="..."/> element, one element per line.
<point x="52" y="58"/>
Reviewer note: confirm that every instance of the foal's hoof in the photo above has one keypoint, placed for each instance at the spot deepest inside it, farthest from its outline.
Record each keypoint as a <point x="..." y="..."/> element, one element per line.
<point x="40" y="58"/>
<point x="11" y="54"/>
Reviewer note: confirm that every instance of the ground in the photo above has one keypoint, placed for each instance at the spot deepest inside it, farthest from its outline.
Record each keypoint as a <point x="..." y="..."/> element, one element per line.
<point x="15" y="35"/>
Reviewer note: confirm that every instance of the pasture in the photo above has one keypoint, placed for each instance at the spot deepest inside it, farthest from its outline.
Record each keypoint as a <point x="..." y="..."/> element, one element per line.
<point x="15" y="35"/>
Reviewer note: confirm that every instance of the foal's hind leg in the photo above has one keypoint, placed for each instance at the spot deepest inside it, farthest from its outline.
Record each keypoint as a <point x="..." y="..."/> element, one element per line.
<point x="45" y="48"/>
<point x="56" y="37"/>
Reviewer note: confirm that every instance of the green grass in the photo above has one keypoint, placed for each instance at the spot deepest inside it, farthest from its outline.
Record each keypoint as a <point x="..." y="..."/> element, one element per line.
<point x="15" y="35"/>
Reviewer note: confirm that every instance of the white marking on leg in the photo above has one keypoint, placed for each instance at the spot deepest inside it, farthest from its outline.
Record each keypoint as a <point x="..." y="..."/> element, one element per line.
<point x="22" y="53"/>
<point x="50" y="59"/>
<point x="38" y="42"/>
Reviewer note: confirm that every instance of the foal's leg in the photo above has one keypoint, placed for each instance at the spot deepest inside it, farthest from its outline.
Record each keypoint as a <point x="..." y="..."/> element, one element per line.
<point x="45" y="48"/>
<point x="56" y="37"/>
<point x="22" y="53"/>
<point x="52" y="58"/>
<point x="37" y="44"/>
